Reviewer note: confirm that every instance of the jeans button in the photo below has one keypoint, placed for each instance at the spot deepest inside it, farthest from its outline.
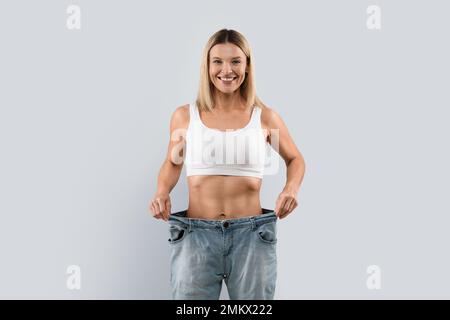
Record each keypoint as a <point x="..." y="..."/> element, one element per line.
<point x="226" y="224"/>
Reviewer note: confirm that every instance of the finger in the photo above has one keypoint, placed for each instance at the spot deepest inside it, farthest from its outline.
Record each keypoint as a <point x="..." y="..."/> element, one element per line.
<point x="289" y="211"/>
<point x="155" y="207"/>
<point x="156" y="213"/>
<point x="287" y="205"/>
<point x="282" y="206"/>
<point x="291" y="207"/>
<point x="152" y="208"/>
<point x="161" y="206"/>
<point x="294" y="205"/>
<point x="169" y="208"/>
<point x="277" y="208"/>
<point x="165" y="213"/>
<point x="284" y="215"/>
<point x="278" y="211"/>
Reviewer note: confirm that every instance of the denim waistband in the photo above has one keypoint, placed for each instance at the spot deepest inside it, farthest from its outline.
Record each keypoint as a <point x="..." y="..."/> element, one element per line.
<point x="180" y="218"/>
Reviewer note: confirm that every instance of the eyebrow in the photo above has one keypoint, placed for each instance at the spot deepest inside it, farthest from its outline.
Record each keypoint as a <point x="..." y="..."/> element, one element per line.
<point x="231" y="58"/>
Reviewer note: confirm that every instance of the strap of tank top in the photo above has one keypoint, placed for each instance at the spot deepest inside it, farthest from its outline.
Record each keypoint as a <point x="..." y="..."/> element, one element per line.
<point x="193" y="111"/>
<point x="256" y="116"/>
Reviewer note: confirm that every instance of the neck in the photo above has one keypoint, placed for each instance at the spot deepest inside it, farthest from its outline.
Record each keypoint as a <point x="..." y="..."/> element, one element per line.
<point x="227" y="102"/>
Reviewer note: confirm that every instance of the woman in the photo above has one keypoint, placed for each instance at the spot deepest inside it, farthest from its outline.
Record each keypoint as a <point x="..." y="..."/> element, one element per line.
<point x="225" y="234"/>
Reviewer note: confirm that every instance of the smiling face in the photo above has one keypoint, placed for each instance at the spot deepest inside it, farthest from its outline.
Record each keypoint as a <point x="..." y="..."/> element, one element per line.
<point x="227" y="67"/>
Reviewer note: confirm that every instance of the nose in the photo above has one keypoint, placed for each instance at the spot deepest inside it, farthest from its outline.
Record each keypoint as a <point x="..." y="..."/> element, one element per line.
<point x="226" y="68"/>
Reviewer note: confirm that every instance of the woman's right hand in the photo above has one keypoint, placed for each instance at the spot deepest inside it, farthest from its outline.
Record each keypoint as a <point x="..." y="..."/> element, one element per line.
<point x="160" y="206"/>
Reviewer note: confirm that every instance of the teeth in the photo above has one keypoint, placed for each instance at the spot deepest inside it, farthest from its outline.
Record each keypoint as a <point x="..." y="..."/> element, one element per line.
<point x="227" y="79"/>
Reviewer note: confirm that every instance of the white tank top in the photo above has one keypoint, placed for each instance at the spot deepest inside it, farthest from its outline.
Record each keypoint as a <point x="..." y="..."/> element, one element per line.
<point x="238" y="152"/>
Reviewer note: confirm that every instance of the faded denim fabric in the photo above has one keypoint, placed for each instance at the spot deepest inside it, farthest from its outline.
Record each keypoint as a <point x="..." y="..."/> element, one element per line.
<point x="241" y="252"/>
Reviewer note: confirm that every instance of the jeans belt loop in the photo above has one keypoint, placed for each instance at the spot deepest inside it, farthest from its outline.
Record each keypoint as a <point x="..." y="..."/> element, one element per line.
<point x="253" y="223"/>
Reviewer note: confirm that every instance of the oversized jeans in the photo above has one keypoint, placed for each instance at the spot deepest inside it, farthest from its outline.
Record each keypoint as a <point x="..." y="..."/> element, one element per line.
<point x="241" y="251"/>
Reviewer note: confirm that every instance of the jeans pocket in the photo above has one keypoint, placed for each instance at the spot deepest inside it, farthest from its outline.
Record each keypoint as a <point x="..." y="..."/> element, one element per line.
<point x="267" y="232"/>
<point x="176" y="233"/>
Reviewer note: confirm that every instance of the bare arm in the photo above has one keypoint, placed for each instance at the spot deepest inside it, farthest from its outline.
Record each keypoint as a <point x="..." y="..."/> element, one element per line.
<point x="172" y="166"/>
<point x="282" y="142"/>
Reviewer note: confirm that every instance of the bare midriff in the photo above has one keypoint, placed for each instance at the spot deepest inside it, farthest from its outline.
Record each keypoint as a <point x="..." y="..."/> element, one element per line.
<point x="220" y="197"/>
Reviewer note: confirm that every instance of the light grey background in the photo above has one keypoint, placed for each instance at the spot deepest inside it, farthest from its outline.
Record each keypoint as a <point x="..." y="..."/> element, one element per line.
<point x="84" y="127"/>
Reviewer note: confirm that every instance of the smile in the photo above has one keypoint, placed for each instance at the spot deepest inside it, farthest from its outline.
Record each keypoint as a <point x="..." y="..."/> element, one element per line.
<point x="227" y="80"/>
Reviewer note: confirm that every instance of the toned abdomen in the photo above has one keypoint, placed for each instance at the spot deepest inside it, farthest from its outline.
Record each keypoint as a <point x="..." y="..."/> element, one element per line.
<point x="223" y="197"/>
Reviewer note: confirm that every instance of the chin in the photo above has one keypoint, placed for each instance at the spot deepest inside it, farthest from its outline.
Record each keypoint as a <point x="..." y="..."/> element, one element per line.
<point x="227" y="90"/>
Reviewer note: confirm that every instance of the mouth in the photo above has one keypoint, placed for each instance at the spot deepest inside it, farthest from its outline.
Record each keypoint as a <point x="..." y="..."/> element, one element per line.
<point x="227" y="80"/>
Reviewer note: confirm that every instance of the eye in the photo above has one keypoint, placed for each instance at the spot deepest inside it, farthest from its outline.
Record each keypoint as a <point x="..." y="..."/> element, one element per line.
<point x="236" y="62"/>
<point x="216" y="61"/>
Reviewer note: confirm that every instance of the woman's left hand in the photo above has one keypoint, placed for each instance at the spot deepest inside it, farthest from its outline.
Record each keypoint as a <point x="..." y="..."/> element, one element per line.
<point x="286" y="203"/>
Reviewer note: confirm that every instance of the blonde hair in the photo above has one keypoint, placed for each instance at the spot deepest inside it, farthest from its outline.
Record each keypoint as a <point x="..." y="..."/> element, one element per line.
<point x="247" y="89"/>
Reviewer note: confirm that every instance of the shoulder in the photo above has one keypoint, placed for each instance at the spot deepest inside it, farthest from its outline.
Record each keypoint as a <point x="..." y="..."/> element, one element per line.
<point x="180" y="117"/>
<point x="181" y="112"/>
<point x="270" y="118"/>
